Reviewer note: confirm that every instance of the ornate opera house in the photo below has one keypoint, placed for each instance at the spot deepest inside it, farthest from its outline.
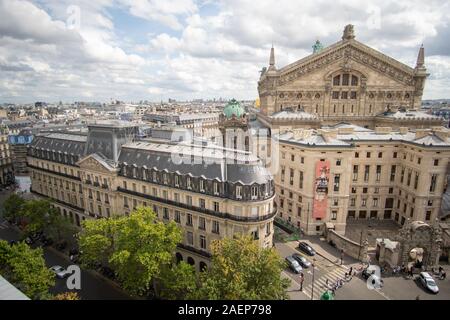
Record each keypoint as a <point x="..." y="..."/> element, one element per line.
<point x="347" y="81"/>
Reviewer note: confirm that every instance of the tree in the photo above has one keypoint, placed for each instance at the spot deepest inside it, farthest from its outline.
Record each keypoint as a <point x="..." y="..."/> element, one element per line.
<point x="67" y="296"/>
<point x="12" y="207"/>
<point x="36" y="213"/>
<point x="242" y="270"/>
<point x="178" y="281"/>
<point x="59" y="227"/>
<point x="137" y="247"/>
<point x="26" y="269"/>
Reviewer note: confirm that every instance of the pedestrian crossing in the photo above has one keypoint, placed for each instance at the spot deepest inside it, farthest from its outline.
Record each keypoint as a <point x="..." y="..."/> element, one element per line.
<point x="320" y="284"/>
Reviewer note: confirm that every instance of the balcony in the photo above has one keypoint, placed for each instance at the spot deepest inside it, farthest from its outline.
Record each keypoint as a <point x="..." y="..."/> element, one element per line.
<point x="222" y="215"/>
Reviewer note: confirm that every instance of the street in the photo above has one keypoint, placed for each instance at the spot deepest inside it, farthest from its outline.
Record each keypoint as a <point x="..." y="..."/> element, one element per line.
<point x="394" y="288"/>
<point x="93" y="286"/>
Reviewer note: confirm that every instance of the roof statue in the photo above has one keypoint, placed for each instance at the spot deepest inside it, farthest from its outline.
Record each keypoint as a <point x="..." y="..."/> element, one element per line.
<point x="349" y="32"/>
<point x="317" y="47"/>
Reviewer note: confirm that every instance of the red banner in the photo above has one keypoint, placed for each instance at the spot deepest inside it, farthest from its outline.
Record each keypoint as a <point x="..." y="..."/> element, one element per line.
<point x="321" y="189"/>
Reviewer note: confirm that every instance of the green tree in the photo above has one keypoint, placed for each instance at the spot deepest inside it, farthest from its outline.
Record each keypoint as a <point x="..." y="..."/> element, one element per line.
<point x="36" y="213"/>
<point x="26" y="269"/>
<point x="178" y="281"/>
<point x="58" y="227"/>
<point x="12" y="207"/>
<point x="137" y="247"/>
<point x="242" y="270"/>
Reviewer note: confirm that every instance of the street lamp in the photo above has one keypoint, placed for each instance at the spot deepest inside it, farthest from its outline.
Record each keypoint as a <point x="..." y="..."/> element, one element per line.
<point x="312" y="287"/>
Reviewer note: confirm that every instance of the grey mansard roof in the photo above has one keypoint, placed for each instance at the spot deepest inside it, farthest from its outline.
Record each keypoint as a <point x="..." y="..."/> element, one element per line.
<point x="211" y="164"/>
<point x="61" y="142"/>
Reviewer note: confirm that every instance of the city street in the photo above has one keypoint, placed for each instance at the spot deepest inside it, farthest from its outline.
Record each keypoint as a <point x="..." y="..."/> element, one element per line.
<point x="395" y="287"/>
<point x="93" y="286"/>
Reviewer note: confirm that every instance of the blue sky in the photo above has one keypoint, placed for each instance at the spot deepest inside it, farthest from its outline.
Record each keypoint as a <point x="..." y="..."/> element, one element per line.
<point x="156" y="49"/>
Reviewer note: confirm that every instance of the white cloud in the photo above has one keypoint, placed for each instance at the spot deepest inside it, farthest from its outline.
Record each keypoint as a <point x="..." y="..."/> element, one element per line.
<point x="194" y="52"/>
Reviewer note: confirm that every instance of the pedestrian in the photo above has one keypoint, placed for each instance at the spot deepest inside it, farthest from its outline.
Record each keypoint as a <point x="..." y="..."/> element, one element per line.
<point x="351" y="271"/>
<point x="443" y="275"/>
<point x="326" y="282"/>
<point x="418" y="297"/>
<point x="302" y="278"/>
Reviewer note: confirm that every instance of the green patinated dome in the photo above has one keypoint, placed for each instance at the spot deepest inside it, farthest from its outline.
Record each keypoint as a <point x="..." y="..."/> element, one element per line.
<point x="233" y="108"/>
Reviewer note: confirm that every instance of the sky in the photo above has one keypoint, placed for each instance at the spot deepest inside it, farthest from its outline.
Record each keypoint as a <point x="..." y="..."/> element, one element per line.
<point x="132" y="50"/>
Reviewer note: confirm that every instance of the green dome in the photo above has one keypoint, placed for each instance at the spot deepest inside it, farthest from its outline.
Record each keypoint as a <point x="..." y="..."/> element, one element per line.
<point x="233" y="108"/>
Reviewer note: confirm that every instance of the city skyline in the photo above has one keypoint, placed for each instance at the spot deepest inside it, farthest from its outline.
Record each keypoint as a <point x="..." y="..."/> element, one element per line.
<point x="153" y="50"/>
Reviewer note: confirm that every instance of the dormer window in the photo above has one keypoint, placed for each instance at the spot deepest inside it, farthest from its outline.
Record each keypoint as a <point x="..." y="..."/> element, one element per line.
<point x="165" y="180"/>
<point x="188" y="183"/>
<point x="254" y="192"/>
<point x="177" y="181"/>
<point x="154" y="176"/>
<point x="239" y="192"/>
<point x="216" y="188"/>
<point x="202" y="185"/>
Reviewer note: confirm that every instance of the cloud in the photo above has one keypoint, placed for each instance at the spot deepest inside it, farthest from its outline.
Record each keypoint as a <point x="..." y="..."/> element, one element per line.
<point x="197" y="49"/>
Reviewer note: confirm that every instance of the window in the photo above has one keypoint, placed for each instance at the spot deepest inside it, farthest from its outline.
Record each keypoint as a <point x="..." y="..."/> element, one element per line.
<point x="189" y="200"/>
<point x="215" y="227"/>
<point x="368" y="154"/>
<point x="202" y="223"/>
<point x="428" y="215"/>
<point x="201" y="203"/>
<point x="394" y="155"/>
<point x="436" y="162"/>
<point x="301" y="180"/>
<point x="106" y="198"/>
<point x="354" y="80"/>
<point x="355" y="173"/>
<point x="202" y="242"/>
<point x="292" y="157"/>
<point x="188" y="183"/>
<point x="364" y="190"/>
<point x="333" y="215"/>
<point x="338" y="162"/>
<point x="433" y="183"/>
<point x="125" y="202"/>
<point x="363" y="202"/>
<point x="380" y="155"/>
<point x="375" y="202"/>
<point x="416" y="180"/>
<point x="353" y="95"/>
<point x="393" y="169"/>
<point x="190" y="238"/>
<point x="345" y="79"/>
<point x="216" y="188"/>
<point x="202" y="185"/>
<point x="299" y="211"/>
<point x="337" y="80"/>
<point x="356" y="154"/>
<point x="166" y="213"/>
<point x="352" y="202"/>
<point x="344" y="95"/>
<point x="291" y="177"/>
<point x="216" y="206"/>
<point x="337" y="178"/>
<point x="177" y="216"/>
<point x="378" y="176"/>
<point x="177" y="181"/>
<point x="239" y="192"/>
<point x="366" y="173"/>
<point x="189" y="220"/>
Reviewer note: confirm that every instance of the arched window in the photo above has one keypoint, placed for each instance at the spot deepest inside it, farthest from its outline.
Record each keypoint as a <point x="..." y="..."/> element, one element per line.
<point x="190" y="261"/>
<point x="247" y="144"/>
<point x="203" y="266"/>
<point x="179" y="257"/>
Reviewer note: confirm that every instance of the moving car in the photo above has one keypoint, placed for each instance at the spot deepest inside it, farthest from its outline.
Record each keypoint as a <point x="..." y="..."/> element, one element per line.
<point x="428" y="282"/>
<point x="293" y="264"/>
<point x="60" y="272"/>
<point x="306" y="248"/>
<point x="301" y="260"/>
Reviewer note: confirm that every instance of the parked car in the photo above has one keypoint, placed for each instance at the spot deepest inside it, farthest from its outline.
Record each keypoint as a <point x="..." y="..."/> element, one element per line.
<point x="108" y="272"/>
<point x="428" y="282"/>
<point x="306" y="248"/>
<point x="60" y="272"/>
<point x="293" y="264"/>
<point x="29" y="241"/>
<point x="301" y="260"/>
<point x="12" y="242"/>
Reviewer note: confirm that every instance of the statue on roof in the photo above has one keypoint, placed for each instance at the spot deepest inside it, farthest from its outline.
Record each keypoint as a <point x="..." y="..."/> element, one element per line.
<point x="317" y="47"/>
<point x="349" y="32"/>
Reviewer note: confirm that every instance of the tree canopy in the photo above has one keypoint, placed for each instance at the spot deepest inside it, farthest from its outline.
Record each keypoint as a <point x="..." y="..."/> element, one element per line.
<point x="26" y="269"/>
<point x="137" y="247"/>
<point x="242" y="270"/>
